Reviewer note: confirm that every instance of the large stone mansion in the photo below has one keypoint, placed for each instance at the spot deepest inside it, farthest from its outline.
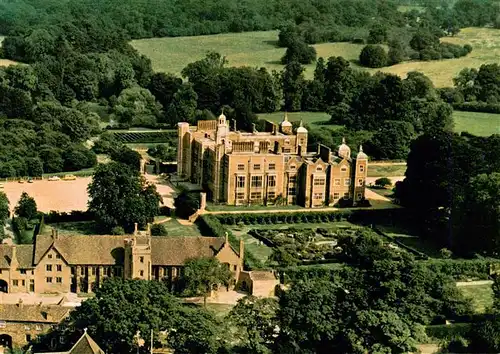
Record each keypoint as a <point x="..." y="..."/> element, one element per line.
<point x="69" y="263"/>
<point x="241" y="168"/>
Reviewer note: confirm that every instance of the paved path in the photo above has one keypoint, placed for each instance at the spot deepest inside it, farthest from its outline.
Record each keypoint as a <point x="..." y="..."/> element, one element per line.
<point x="474" y="283"/>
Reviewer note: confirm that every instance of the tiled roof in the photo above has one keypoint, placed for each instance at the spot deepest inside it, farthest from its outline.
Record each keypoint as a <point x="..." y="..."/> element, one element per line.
<point x="109" y="250"/>
<point x="86" y="345"/>
<point x="5" y="256"/>
<point x="24" y="255"/>
<point x="262" y="275"/>
<point x="177" y="250"/>
<point x="83" y="249"/>
<point x="32" y="313"/>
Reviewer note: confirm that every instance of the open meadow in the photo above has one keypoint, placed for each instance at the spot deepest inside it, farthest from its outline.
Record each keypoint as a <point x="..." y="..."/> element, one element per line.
<point x="258" y="49"/>
<point x="477" y="123"/>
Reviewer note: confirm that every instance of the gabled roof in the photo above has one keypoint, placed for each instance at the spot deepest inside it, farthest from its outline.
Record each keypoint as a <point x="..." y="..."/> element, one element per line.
<point x="109" y="249"/>
<point x="33" y="313"/>
<point x="24" y="255"/>
<point x="86" y="345"/>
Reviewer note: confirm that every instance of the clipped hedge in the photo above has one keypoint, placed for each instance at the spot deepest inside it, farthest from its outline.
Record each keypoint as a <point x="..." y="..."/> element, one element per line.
<point x="462" y="269"/>
<point x="278" y="217"/>
<point x="210" y="224"/>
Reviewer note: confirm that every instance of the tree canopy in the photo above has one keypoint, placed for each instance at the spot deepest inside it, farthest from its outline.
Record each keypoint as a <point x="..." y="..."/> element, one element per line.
<point x="120" y="196"/>
<point x="145" y="306"/>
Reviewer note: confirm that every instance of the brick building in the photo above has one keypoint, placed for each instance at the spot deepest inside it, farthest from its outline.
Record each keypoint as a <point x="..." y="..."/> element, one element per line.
<point x="20" y="323"/>
<point x="78" y="263"/>
<point x="240" y="168"/>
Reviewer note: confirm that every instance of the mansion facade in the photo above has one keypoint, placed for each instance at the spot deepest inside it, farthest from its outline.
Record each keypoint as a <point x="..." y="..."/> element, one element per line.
<point x="274" y="166"/>
<point x="79" y="263"/>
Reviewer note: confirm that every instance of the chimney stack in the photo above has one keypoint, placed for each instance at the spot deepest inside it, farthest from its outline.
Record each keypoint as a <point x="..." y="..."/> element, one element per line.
<point x="53" y="233"/>
<point x="148" y="230"/>
<point x="135" y="228"/>
<point x="14" y="252"/>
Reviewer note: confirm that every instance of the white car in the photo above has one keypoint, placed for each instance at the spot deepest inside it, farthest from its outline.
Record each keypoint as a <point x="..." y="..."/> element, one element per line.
<point x="54" y="178"/>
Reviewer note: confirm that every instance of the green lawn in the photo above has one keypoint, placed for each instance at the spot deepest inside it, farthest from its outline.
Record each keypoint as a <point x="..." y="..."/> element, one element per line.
<point x="311" y="118"/>
<point x="477" y="123"/>
<point x="258" y="49"/>
<point x="386" y="170"/>
<point x="481" y="295"/>
<point x="174" y="228"/>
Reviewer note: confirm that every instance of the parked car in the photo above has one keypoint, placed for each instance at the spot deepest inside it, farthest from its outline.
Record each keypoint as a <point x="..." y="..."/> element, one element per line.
<point x="20" y="181"/>
<point x="54" y="178"/>
<point x="30" y="180"/>
<point x="69" y="177"/>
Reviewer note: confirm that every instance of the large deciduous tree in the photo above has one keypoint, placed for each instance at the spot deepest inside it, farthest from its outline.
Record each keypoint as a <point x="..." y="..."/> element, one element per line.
<point x="373" y="56"/>
<point x="121" y="308"/>
<point x="120" y="196"/>
<point x="202" y="275"/>
<point x="26" y="207"/>
<point x="256" y="319"/>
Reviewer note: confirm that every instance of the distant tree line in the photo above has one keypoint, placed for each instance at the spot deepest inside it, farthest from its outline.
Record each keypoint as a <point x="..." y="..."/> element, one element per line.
<point x="150" y="18"/>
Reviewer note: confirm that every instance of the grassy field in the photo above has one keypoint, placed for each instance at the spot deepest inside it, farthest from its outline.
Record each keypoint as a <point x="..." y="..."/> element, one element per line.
<point x="386" y="170"/>
<point x="258" y="49"/>
<point x="482" y="124"/>
<point x="316" y="118"/>
<point x="481" y="295"/>
<point x="254" y="49"/>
